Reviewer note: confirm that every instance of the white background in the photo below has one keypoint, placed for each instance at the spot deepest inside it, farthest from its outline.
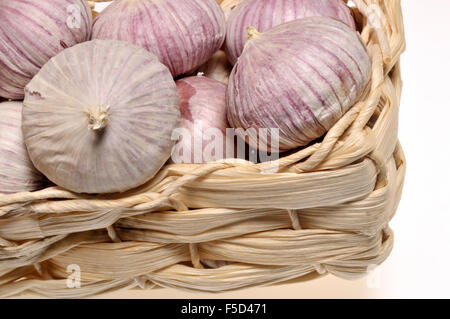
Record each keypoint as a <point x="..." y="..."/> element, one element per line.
<point x="419" y="265"/>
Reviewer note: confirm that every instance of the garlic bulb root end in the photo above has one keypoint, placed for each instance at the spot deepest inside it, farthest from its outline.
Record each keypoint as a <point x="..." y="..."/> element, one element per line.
<point x="252" y="33"/>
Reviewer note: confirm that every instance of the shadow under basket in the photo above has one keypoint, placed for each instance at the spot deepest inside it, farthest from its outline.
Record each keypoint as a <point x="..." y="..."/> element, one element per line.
<point x="230" y="225"/>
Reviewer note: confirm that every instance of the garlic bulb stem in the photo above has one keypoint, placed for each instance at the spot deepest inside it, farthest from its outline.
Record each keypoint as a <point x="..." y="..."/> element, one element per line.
<point x="98" y="120"/>
<point x="252" y="33"/>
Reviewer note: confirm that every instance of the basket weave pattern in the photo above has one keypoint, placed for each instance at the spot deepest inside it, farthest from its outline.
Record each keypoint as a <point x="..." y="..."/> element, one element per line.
<point x="229" y="225"/>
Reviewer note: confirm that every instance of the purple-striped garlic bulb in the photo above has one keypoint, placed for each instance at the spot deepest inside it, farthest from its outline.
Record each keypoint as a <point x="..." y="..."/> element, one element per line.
<point x="265" y="14"/>
<point x="299" y="77"/>
<point x="217" y="68"/>
<point x="17" y="173"/>
<point x="202" y="133"/>
<point x="32" y="32"/>
<point x="103" y="125"/>
<point x="184" y="34"/>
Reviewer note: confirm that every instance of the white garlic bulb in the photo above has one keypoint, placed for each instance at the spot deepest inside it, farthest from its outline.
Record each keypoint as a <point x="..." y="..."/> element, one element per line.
<point x="17" y="173"/>
<point x="98" y="117"/>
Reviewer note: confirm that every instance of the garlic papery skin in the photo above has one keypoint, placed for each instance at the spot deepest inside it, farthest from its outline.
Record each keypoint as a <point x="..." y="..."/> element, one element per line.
<point x="202" y="133"/>
<point x="217" y="68"/>
<point x="300" y="78"/>
<point x="228" y="6"/>
<point x="98" y="117"/>
<point x="32" y="32"/>
<point x="17" y="173"/>
<point x="184" y="34"/>
<point x="265" y="14"/>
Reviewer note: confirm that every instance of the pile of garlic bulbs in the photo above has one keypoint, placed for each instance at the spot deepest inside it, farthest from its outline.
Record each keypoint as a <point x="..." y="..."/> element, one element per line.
<point x="100" y="103"/>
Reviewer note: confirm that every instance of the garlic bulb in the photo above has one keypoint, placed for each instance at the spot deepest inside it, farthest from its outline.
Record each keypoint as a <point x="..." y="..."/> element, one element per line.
<point x="32" y="32"/>
<point x="299" y="77"/>
<point x="98" y="117"/>
<point x="203" y="126"/>
<point x="217" y="68"/>
<point x="184" y="34"/>
<point x="17" y="173"/>
<point x="265" y="14"/>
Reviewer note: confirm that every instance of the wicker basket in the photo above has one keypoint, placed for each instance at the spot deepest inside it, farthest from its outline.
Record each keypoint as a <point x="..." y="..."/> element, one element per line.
<point x="225" y="226"/>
